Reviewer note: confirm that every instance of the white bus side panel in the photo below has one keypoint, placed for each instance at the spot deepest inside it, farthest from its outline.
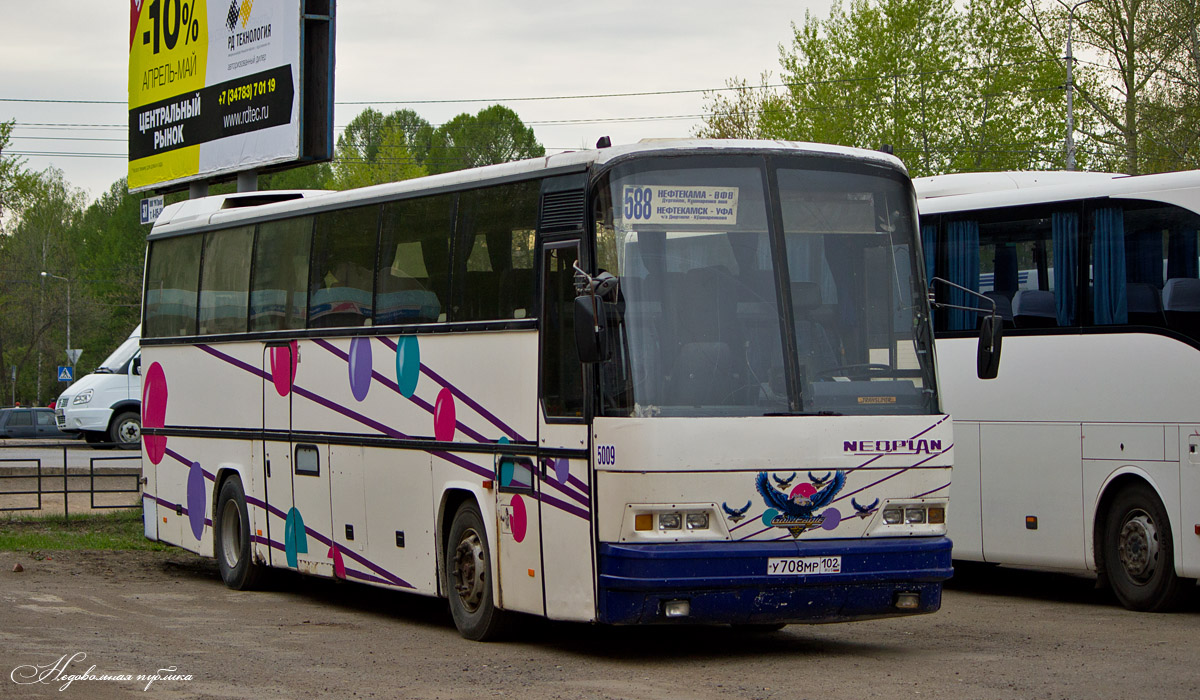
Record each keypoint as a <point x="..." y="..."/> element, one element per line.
<point x="1086" y="408"/>
<point x="966" y="506"/>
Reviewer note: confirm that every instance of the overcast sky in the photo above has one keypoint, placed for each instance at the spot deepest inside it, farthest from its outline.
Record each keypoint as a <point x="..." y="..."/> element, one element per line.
<point x="401" y="53"/>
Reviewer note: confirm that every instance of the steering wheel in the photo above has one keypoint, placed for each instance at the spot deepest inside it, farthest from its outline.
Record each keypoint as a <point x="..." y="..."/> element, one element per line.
<point x="857" y="371"/>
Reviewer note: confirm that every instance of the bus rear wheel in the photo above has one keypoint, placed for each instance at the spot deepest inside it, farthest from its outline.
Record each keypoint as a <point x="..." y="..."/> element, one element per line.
<point x="231" y="538"/>
<point x="1139" y="554"/>
<point x="469" y="575"/>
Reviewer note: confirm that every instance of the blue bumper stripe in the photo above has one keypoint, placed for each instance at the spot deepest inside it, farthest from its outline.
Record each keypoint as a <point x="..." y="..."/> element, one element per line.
<point x="727" y="582"/>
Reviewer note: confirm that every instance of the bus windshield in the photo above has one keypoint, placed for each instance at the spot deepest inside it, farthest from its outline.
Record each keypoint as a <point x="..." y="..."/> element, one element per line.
<point x="762" y="287"/>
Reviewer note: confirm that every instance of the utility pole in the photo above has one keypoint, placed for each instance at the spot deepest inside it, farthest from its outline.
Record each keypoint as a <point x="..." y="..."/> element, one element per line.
<point x="1070" y="58"/>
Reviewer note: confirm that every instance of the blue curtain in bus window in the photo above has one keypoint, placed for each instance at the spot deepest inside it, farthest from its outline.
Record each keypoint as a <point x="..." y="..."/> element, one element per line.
<point x="962" y="261"/>
<point x="1064" y="231"/>
<point x="929" y="245"/>
<point x="1182" y="260"/>
<point x="1143" y="257"/>
<point x="1110" y="304"/>
<point x="1005" y="274"/>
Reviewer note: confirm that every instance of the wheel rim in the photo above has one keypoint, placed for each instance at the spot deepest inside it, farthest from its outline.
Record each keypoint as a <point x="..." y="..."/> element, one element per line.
<point x="231" y="534"/>
<point x="129" y="431"/>
<point x="1137" y="546"/>
<point x="470" y="578"/>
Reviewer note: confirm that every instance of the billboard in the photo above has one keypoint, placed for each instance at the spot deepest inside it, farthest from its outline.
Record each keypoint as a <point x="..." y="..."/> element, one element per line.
<point x="215" y="87"/>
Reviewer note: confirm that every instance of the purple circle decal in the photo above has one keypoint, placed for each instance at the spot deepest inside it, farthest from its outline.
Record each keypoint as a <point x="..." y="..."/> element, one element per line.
<point x="360" y="367"/>
<point x="520" y="518"/>
<point x="154" y="411"/>
<point x="197" y="504"/>
<point x="443" y="416"/>
<point x="562" y="469"/>
<point x="833" y="517"/>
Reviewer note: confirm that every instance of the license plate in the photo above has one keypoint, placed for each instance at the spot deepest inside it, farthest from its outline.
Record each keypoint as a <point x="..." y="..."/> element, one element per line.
<point x="803" y="566"/>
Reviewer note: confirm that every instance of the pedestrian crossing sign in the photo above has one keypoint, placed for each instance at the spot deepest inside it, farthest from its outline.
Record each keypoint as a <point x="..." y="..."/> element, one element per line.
<point x="66" y="374"/>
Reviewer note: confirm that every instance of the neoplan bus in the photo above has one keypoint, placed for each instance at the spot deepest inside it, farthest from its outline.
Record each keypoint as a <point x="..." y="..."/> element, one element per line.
<point x="1085" y="454"/>
<point x="686" y="382"/>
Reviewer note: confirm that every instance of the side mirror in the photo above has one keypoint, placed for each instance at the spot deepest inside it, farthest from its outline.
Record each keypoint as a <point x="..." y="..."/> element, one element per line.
<point x="987" y="357"/>
<point x="591" y="329"/>
<point x="137" y="365"/>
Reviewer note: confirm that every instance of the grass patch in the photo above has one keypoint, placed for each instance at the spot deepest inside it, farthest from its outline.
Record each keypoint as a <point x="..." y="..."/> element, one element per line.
<point x="120" y="529"/>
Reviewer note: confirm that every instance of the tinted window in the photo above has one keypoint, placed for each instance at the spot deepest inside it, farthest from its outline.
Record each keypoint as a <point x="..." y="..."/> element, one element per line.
<point x="342" y="278"/>
<point x="171" y="281"/>
<point x="20" y="418"/>
<point x="494" y="253"/>
<point x="414" y="260"/>
<point x="225" y="280"/>
<point x="279" y="293"/>
<point x="562" y="374"/>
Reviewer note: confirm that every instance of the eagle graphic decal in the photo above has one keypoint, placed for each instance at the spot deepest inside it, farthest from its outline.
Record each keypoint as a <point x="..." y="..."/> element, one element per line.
<point x="796" y="510"/>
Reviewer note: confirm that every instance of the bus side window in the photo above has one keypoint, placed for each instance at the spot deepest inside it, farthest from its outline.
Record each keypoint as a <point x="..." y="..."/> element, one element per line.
<point x="562" y="373"/>
<point x="172" y="278"/>
<point x="225" y="280"/>
<point x="493" y="252"/>
<point x="279" y="288"/>
<point x="414" y="260"/>
<point x="342" y="279"/>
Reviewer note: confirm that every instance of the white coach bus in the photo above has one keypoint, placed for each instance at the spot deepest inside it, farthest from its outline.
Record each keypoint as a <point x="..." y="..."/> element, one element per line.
<point x="1085" y="453"/>
<point x="670" y="382"/>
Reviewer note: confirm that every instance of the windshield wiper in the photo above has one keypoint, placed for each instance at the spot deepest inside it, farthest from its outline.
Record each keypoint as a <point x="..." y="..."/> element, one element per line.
<point x="103" y="370"/>
<point x="800" y="413"/>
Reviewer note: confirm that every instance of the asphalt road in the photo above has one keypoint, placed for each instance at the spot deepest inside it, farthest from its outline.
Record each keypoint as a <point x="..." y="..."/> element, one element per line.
<point x="1000" y="634"/>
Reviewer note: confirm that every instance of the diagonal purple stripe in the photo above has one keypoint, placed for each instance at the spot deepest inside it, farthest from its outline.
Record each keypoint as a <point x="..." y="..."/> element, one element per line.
<point x="563" y="506"/>
<point x="922" y="495"/>
<point x="421" y="403"/>
<point x="461" y="396"/>
<point x="380" y="427"/>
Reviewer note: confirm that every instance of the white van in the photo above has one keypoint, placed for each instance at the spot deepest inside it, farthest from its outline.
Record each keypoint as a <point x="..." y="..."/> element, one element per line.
<point x="106" y="405"/>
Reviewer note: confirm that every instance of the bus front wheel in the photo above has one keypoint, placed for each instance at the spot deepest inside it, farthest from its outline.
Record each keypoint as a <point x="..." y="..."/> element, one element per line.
<point x="1139" y="555"/>
<point x="469" y="575"/>
<point x="231" y="538"/>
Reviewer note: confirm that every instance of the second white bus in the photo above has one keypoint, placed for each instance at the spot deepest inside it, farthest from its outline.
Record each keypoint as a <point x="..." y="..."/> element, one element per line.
<point x="1085" y="453"/>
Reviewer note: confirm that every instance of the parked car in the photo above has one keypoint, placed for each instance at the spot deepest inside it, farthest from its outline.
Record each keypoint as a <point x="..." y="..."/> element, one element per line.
<point x="106" y="405"/>
<point x="29" y="423"/>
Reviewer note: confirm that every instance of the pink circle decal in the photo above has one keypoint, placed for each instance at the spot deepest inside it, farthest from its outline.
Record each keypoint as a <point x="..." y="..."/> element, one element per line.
<point x="520" y="519"/>
<point x="806" y="490"/>
<point x="283" y="367"/>
<point x="154" y="411"/>
<point x="443" y="416"/>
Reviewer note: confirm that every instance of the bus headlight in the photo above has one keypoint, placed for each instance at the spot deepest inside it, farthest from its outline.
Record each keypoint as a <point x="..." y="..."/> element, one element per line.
<point x="913" y="517"/>
<point x="893" y="515"/>
<point x="672" y="522"/>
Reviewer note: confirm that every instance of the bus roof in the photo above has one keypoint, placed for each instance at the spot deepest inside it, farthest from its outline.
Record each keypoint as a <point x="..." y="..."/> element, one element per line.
<point x="943" y="194"/>
<point x="230" y="209"/>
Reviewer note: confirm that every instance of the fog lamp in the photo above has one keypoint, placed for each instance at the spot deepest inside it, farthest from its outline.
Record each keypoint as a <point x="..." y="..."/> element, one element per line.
<point x="677" y="608"/>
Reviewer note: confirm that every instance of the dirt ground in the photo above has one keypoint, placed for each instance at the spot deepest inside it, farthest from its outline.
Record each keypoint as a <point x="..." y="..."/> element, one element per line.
<point x="1000" y="634"/>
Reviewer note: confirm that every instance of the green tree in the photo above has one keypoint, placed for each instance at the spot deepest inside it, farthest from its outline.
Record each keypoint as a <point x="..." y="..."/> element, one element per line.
<point x="39" y="242"/>
<point x="15" y="180"/>
<point x="495" y="135"/>
<point x="948" y="89"/>
<point x="374" y="149"/>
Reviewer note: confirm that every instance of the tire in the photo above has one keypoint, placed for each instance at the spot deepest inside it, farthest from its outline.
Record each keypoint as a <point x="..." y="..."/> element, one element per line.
<point x="1139" y="554"/>
<point x="126" y="431"/>
<point x="469" y="577"/>
<point x="231" y="539"/>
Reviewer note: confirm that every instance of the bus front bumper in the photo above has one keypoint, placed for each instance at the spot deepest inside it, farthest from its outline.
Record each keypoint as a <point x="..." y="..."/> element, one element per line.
<point x="729" y="583"/>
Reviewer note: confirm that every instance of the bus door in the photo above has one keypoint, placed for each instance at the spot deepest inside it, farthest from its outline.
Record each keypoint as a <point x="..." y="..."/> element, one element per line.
<point x="563" y="466"/>
<point x="297" y="473"/>
<point x="277" y="446"/>
<point x="1189" y="487"/>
